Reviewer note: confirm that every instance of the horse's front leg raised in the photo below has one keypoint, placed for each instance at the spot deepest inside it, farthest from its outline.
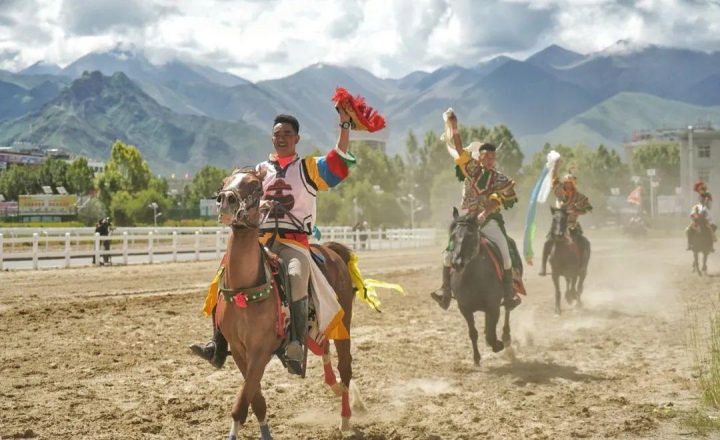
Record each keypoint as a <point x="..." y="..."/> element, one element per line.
<point x="472" y="332"/>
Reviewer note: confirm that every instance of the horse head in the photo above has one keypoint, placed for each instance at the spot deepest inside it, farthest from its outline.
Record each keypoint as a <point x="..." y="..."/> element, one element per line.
<point x="559" y="222"/>
<point x="463" y="240"/>
<point x="239" y="199"/>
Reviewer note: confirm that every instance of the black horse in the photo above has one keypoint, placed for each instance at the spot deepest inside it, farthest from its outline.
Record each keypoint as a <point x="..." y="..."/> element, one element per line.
<point x="475" y="283"/>
<point x="569" y="259"/>
<point x="701" y="242"/>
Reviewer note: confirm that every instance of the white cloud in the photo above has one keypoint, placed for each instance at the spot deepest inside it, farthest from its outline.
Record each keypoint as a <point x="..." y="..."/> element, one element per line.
<point x="266" y="39"/>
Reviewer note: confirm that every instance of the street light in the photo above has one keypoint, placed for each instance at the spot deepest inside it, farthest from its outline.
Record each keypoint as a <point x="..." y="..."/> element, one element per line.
<point x="156" y="214"/>
<point x="412" y="201"/>
<point x="651" y="174"/>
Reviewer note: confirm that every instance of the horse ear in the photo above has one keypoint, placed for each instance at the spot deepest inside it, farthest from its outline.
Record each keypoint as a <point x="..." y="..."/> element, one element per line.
<point x="261" y="172"/>
<point x="456" y="214"/>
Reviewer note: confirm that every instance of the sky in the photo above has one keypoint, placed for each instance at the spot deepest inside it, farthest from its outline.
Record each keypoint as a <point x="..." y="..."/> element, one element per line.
<point x="264" y="39"/>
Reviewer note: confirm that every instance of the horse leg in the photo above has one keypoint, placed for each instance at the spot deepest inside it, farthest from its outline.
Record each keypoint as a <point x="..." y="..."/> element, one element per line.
<point x="253" y="374"/>
<point x="696" y="266"/>
<point x="329" y="373"/>
<point x="506" y="338"/>
<point x="473" y="333"/>
<point x="581" y="285"/>
<point x="345" y="370"/>
<point x="556" y="282"/>
<point x="705" y="257"/>
<point x="491" y="319"/>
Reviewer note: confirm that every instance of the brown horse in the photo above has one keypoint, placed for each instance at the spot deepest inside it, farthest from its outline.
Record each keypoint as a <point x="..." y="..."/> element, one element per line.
<point x="252" y="331"/>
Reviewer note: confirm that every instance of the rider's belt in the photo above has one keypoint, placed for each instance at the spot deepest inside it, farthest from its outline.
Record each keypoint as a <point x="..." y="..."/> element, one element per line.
<point x="286" y="234"/>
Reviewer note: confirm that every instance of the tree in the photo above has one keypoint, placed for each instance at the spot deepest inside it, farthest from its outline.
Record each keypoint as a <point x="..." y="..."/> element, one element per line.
<point x="53" y="173"/>
<point x="664" y="158"/>
<point x="125" y="171"/>
<point x="79" y="177"/>
<point x="205" y="184"/>
<point x="18" y="180"/>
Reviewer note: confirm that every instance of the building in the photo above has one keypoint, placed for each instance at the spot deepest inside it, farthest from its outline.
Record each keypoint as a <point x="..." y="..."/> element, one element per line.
<point x="699" y="160"/>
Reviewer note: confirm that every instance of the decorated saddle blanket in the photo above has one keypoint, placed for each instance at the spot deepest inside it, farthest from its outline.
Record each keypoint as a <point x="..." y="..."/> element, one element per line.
<point x="496" y="259"/>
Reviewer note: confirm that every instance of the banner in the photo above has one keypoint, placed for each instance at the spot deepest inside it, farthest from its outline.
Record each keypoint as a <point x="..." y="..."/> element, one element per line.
<point x="635" y="197"/>
<point x="47" y="204"/>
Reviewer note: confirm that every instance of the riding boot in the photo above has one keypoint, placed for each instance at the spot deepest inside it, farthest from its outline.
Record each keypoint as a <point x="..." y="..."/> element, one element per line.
<point x="510" y="300"/>
<point x="547" y="248"/>
<point x="295" y="350"/>
<point x="443" y="295"/>
<point x="216" y="350"/>
<point x="687" y="235"/>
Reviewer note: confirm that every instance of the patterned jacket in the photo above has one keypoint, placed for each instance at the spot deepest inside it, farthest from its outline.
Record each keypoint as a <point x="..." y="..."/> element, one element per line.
<point x="576" y="205"/>
<point x="481" y="185"/>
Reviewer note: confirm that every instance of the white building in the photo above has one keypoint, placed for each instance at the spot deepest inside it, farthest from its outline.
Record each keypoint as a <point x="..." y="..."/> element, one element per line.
<point x="700" y="160"/>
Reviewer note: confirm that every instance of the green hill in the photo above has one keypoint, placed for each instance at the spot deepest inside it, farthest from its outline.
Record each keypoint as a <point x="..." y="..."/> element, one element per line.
<point x="88" y="116"/>
<point x="613" y="121"/>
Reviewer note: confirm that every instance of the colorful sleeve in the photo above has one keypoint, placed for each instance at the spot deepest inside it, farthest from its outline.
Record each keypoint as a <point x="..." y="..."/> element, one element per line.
<point x="327" y="171"/>
<point x="463" y="165"/>
<point x="504" y="191"/>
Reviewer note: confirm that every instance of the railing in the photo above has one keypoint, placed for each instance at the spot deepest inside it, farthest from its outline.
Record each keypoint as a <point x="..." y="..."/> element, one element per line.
<point x="33" y="248"/>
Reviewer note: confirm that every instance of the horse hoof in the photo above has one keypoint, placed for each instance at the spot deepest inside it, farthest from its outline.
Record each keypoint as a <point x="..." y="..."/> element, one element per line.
<point x="265" y="433"/>
<point x="232" y="437"/>
<point x="498" y="347"/>
<point x="345" y="424"/>
<point x="476" y="361"/>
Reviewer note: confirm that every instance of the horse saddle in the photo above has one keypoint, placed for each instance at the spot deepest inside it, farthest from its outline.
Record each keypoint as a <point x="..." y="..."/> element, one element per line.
<point x="497" y="261"/>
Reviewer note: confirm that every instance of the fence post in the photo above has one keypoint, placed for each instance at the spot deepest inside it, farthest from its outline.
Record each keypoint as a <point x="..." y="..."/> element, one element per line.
<point x="125" y="248"/>
<point x="67" y="249"/>
<point x="217" y="244"/>
<point x="197" y="245"/>
<point x="2" y="244"/>
<point x="36" y="239"/>
<point x="150" y="246"/>
<point x="96" y="261"/>
<point x="46" y="240"/>
<point x="174" y="246"/>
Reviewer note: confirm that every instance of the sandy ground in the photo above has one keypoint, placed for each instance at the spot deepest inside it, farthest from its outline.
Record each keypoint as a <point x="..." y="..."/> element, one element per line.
<point x="101" y="353"/>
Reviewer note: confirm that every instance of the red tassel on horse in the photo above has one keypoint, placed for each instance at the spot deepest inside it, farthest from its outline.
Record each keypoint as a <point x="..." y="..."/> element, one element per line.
<point x="364" y="117"/>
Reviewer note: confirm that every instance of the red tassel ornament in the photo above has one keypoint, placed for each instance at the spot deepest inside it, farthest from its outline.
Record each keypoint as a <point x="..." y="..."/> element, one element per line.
<point x="364" y="117"/>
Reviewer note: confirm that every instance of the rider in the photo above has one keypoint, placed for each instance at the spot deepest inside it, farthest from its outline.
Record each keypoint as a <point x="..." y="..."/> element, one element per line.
<point x="292" y="183"/>
<point x="575" y="204"/>
<point x="486" y="191"/>
<point x="701" y="210"/>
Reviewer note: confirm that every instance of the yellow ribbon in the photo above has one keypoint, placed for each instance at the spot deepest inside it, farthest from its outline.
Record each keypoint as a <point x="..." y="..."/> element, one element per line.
<point x="366" y="289"/>
<point x="212" y="295"/>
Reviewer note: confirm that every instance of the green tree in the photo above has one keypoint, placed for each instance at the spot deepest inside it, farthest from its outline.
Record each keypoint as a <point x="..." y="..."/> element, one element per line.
<point x="205" y="184"/>
<point x="664" y="158"/>
<point x="79" y="177"/>
<point x="18" y="180"/>
<point x="53" y="173"/>
<point x="125" y="171"/>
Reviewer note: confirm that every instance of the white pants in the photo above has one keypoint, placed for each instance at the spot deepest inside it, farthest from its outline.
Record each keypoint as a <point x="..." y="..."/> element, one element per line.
<point x="493" y="232"/>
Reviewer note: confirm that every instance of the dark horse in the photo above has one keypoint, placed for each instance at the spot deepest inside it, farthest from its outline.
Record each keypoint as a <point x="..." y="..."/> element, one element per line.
<point x="569" y="259"/>
<point x="701" y="242"/>
<point x="475" y="283"/>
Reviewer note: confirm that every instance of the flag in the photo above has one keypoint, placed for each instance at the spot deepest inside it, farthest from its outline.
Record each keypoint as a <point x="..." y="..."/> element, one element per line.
<point x="539" y="194"/>
<point x="635" y="197"/>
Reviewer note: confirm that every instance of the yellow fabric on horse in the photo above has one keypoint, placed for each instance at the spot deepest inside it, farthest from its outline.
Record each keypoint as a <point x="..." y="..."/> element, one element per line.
<point x="212" y="295"/>
<point x="366" y="289"/>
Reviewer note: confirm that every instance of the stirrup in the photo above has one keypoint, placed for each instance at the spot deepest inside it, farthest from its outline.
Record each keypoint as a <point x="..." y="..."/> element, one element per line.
<point x="511" y="303"/>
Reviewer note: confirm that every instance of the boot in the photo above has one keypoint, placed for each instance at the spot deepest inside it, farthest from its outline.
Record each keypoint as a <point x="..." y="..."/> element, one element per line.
<point x="443" y="295"/>
<point x="295" y="350"/>
<point x="547" y="248"/>
<point x="215" y="351"/>
<point x="510" y="301"/>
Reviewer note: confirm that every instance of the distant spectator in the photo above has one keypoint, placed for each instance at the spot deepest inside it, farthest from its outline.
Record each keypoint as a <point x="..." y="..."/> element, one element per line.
<point x="103" y="229"/>
<point x="362" y="233"/>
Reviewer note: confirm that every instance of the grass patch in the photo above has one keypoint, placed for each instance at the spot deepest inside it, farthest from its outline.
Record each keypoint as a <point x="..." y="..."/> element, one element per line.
<point x="700" y="422"/>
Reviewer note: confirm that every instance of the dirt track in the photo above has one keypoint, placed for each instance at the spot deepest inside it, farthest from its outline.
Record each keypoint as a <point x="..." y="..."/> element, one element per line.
<point x="101" y="353"/>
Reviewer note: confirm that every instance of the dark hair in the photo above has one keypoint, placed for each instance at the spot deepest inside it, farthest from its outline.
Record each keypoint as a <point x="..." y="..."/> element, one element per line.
<point x="287" y="119"/>
<point x="487" y="147"/>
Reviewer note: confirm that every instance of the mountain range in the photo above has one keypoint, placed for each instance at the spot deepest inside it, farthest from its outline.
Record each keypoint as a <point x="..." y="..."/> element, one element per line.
<point x="554" y="95"/>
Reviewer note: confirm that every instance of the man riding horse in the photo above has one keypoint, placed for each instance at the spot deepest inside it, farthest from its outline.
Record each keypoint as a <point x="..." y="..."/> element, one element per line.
<point x="575" y="204"/>
<point x="486" y="191"/>
<point x="700" y="215"/>
<point x="290" y="186"/>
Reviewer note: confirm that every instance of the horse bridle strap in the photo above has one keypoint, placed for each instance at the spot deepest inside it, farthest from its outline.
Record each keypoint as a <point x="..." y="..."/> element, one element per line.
<point x="252" y="294"/>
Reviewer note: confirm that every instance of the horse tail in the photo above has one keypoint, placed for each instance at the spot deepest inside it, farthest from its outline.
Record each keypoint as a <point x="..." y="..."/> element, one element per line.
<point x="343" y="251"/>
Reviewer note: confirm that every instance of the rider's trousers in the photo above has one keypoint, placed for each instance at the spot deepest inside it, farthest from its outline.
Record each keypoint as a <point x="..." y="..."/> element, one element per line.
<point x="493" y="232"/>
<point x="298" y="267"/>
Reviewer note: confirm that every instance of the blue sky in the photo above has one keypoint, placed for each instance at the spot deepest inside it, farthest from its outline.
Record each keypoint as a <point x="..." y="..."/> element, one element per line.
<point x="262" y="39"/>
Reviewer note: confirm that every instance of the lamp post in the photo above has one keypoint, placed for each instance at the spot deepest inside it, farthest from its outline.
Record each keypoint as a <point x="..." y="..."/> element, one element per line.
<point x="156" y="214"/>
<point x="651" y="174"/>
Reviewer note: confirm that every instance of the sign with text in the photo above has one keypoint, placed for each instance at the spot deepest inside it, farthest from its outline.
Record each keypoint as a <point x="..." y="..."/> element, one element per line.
<point x="47" y="204"/>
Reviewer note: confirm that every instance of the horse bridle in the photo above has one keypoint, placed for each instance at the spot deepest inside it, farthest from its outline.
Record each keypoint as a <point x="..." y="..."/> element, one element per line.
<point x="252" y="200"/>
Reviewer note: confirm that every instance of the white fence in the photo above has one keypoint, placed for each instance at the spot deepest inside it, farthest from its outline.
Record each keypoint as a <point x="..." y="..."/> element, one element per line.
<point x="31" y="248"/>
